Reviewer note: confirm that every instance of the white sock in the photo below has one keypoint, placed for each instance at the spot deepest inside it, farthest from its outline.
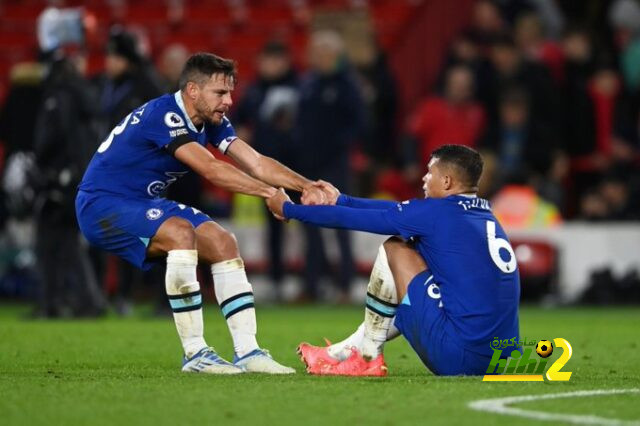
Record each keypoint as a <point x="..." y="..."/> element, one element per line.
<point x="342" y="350"/>
<point x="381" y="305"/>
<point x="185" y="299"/>
<point x="235" y="297"/>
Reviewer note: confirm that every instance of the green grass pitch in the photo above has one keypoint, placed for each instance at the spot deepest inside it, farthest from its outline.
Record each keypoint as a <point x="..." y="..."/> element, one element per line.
<point x="126" y="372"/>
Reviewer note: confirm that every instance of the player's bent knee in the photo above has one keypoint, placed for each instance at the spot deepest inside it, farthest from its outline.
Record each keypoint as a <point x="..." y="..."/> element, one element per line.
<point x="404" y="261"/>
<point x="216" y="244"/>
<point x="393" y="243"/>
<point x="398" y="250"/>
<point x="178" y="234"/>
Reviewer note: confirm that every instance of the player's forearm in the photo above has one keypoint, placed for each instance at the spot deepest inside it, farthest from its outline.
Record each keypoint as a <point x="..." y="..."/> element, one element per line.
<point x="369" y="220"/>
<point x="276" y="174"/>
<point x="232" y="179"/>
<point x="364" y="203"/>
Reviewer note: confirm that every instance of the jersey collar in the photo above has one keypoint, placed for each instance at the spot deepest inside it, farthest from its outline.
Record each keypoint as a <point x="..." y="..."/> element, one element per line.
<point x="178" y="97"/>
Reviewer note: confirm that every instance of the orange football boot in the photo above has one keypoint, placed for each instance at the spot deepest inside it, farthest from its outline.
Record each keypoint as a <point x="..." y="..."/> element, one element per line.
<point x="355" y="365"/>
<point x="315" y="356"/>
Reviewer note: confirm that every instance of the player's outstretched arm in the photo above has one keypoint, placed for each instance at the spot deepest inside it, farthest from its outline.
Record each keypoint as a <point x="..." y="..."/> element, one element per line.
<point x="220" y="173"/>
<point x="335" y="197"/>
<point x="273" y="172"/>
<point x="368" y="220"/>
<point x="364" y="203"/>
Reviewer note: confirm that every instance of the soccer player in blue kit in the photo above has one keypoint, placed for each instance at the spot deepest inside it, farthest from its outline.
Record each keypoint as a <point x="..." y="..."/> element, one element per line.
<point x="119" y="207"/>
<point x="447" y="281"/>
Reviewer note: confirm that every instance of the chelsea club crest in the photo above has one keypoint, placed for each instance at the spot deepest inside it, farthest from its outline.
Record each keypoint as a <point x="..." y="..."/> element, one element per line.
<point x="153" y="214"/>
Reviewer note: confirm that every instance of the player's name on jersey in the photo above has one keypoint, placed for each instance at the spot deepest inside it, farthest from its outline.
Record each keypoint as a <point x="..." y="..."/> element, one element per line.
<point x="475" y="203"/>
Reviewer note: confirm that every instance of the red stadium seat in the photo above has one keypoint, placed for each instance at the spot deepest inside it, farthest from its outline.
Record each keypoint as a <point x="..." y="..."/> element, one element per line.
<point x="537" y="262"/>
<point x="535" y="258"/>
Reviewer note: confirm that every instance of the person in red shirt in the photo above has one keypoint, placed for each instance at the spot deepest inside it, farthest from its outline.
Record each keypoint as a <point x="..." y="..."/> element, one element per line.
<point x="454" y="118"/>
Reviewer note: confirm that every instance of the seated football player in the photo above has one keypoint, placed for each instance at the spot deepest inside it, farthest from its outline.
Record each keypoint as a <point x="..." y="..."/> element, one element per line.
<point x="447" y="280"/>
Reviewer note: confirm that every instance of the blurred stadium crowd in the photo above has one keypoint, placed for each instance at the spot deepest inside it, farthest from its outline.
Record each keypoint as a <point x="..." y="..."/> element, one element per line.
<point x="548" y="90"/>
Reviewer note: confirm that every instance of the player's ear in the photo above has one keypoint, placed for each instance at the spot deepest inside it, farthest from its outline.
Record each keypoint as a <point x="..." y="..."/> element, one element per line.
<point x="192" y="90"/>
<point x="447" y="182"/>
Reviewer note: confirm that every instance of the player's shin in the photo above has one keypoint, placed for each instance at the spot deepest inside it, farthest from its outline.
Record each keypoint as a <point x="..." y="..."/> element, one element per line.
<point x="183" y="291"/>
<point x="235" y="297"/>
<point x="381" y="305"/>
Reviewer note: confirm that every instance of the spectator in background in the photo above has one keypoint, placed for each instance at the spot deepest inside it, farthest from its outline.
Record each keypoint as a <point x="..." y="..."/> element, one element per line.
<point x="65" y="139"/>
<point x="529" y="37"/>
<point x="328" y="122"/>
<point x="518" y="205"/>
<point x="578" y="114"/>
<point x="509" y="69"/>
<point x="454" y="118"/>
<point x="264" y="118"/>
<point x="464" y="51"/>
<point x="614" y="199"/>
<point x="379" y="95"/>
<point x="611" y="114"/>
<point x="17" y="127"/>
<point x="172" y="60"/>
<point x="519" y="143"/>
<point x="624" y="17"/>
<point x="487" y="24"/>
<point x="550" y="16"/>
<point x="618" y="194"/>
<point x="128" y="82"/>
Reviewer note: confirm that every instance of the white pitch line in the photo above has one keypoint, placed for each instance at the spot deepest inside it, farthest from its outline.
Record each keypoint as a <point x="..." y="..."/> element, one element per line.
<point x="499" y="405"/>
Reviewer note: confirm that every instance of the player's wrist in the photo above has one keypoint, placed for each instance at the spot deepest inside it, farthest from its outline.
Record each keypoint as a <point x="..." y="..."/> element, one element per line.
<point x="286" y="209"/>
<point x="268" y="192"/>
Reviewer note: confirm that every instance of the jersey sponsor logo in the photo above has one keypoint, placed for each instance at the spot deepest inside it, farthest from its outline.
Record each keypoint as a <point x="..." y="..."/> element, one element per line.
<point x="153" y="214"/>
<point x="156" y="187"/>
<point x="172" y="119"/>
<point x="178" y="132"/>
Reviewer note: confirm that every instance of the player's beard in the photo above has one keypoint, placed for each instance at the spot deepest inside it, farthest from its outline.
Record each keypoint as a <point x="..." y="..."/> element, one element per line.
<point x="208" y="115"/>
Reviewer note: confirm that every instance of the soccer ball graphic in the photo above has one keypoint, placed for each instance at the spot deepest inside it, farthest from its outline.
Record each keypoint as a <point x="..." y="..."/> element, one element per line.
<point x="544" y="348"/>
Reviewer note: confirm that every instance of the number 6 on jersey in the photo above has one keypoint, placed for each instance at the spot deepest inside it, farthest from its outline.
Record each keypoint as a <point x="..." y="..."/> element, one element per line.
<point x="495" y="244"/>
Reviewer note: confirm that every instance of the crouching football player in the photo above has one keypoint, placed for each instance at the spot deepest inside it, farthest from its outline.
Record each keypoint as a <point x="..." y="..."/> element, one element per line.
<point x="120" y="209"/>
<point x="448" y="281"/>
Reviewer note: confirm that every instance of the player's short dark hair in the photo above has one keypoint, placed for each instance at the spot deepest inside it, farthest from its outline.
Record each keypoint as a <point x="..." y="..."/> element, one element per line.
<point x="201" y="66"/>
<point x="467" y="160"/>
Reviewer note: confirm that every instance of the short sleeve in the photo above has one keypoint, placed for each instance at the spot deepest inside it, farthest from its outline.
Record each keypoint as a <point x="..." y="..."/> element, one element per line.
<point x="221" y="136"/>
<point x="413" y="218"/>
<point x="163" y="127"/>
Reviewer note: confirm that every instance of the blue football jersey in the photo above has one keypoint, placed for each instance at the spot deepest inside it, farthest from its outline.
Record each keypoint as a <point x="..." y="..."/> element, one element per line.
<point x="472" y="262"/>
<point x="136" y="159"/>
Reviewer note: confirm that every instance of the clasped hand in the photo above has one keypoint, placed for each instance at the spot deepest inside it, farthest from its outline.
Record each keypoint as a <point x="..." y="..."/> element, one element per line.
<point x="316" y="193"/>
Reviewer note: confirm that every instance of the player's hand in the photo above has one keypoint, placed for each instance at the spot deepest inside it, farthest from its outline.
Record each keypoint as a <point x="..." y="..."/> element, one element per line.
<point x="276" y="202"/>
<point x="313" y="195"/>
<point x="331" y="193"/>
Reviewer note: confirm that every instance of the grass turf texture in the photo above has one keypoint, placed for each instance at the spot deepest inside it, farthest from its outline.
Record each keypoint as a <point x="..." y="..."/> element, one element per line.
<point x="126" y="371"/>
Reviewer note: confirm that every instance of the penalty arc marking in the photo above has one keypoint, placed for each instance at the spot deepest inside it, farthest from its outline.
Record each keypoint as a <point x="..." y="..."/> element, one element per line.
<point x="501" y="406"/>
